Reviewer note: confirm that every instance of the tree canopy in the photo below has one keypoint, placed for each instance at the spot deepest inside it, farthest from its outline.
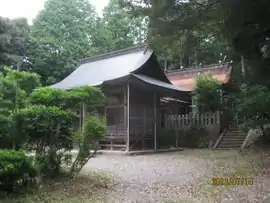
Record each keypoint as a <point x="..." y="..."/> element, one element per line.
<point x="184" y="33"/>
<point x="117" y="29"/>
<point x="60" y="37"/>
<point x="67" y="31"/>
<point x="13" y="35"/>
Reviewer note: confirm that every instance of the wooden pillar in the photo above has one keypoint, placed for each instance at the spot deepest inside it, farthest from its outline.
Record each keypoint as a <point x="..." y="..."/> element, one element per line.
<point x="144" y="126"/>
<point x="155" y="120"/>
<point x="80" y="118"/>
<point x="105" y="113"/>
<point x="125" y="108"/>
<point x="127" y="116"/>
<point x="176" y="137"/>
<point x="194" y="107"/>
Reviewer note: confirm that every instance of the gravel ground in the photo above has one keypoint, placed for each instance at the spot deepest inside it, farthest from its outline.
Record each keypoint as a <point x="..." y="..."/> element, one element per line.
<point x="151" y="178"/>
<point x="177" y="177"/>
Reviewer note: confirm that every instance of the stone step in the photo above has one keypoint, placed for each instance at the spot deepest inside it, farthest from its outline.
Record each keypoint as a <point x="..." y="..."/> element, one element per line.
<point x="233" y="138"/>
<point x="226" y="148"/>
<point x="227" y="143"/>
<point x="235" y="130"/>
<point x="230" y="143"/>
<point x="236" y="133"/>
<point x="230" y="146"/>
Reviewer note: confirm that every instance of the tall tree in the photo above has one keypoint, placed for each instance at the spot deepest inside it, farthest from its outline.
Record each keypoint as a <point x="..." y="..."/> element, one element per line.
<point x="60" y="37"/>
<point x="246" y="25"/>
<point x="118" y="29"/>
<point x="13" y="35"/>
<point x="183" y="32"/>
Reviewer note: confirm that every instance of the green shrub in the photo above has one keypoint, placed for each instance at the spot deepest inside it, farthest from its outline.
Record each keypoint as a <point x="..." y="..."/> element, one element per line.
<point x="67" y="99"/>
<point x="196" y="137"/>
<point x="4" y="131"/>
<point x="206" y="94"/>
<point x="15" y="169"/>
<point x="94" y="129"/>
<point x="86" y="94"/>
<point x="46" y="130"/>
<point x="48" y="96"/>
<point x="253" y="106"/>
<point x="15" y="86"/>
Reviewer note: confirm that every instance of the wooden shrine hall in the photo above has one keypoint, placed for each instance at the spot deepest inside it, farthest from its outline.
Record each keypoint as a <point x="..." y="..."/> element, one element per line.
<point x="138" y="94"/>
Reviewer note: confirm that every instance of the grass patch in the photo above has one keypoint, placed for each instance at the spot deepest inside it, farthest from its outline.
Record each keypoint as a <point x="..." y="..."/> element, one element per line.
<point x="90" y="187"/>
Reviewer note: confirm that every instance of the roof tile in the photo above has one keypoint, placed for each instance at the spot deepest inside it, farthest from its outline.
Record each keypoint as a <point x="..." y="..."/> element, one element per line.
<point x="187" y="78"/>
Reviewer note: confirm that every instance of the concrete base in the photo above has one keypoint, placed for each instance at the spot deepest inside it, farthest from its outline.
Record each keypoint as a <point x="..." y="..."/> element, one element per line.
<point x="130" y="153"/>
<point x="139" y="152"/>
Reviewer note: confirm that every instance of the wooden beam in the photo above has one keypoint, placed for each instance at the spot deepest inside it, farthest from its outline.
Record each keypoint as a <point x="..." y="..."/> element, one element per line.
<point x="115" y="145"/>
<point x="108" y="106"/>
<point x="97" y="105"/>
<point x="127" y="117"/>
<point x="155" y="121"/>
<point x="115" y="106"/>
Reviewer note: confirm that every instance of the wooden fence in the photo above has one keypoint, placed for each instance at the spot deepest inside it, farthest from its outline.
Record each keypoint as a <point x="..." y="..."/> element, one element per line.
<point x="199" y="120"/>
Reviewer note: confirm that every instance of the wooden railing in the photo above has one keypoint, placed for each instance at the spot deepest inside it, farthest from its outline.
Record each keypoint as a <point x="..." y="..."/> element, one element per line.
<point x="206" y="119"/>
<point x="116" y="131"/>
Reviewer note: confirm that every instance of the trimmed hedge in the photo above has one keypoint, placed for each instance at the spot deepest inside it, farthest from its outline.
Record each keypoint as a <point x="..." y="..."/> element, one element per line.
<point x="16" y="169"/>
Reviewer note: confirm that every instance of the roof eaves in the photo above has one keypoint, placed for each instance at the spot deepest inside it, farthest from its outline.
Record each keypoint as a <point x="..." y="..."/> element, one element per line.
<point x="156" y="82"/>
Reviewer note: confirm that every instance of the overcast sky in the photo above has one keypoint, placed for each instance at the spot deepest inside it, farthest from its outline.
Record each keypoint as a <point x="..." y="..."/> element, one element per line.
<point x="30" y="8"/>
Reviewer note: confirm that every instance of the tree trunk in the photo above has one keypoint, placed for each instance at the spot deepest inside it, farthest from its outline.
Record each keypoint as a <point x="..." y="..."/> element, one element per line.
<point x="243" y="67"/>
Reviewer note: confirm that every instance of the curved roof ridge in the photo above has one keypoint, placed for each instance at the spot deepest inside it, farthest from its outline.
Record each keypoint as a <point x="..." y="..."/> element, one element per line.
<point x="198" y="69"/>
<point x="114" y="53"/>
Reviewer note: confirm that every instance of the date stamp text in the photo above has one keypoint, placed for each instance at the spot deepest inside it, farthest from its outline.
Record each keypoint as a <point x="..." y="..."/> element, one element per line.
<point x="232" y="181"/>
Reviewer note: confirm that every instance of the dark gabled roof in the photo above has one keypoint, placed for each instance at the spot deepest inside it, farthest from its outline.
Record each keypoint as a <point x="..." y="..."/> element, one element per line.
<point x="99" y="69"/>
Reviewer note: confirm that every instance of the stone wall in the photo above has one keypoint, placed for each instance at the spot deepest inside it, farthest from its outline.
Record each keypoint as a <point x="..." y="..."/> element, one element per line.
<point x="252" y="136"/>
